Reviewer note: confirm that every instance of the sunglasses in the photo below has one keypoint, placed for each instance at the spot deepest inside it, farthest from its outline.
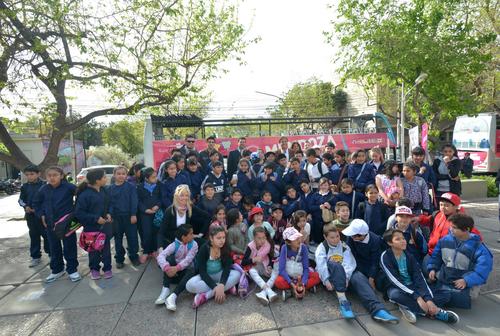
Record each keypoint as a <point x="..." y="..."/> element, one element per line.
<point x="190" y="141"/>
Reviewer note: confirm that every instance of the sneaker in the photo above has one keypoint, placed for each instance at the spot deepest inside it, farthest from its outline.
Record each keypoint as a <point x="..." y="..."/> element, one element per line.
<point x="120" y="265"/>
<point x="262" y="297"/>
<point x="165" y="291"/>
<point x="384" y="316"/>
<point x="54" y="276"/>
<point x="136" y="262"/>
<point x="143" y="258"/>
<point x="447" y="316"/>
<point x="75" y="276"/>
<point x="35" y="262"/>
<point x="95" y="275"/>
<point x="199" y="299"/>
<point x="286" y="294"/>
<point x="108" y="274"/>
<point x="271" y="295"/>
<point x="233" y="291"/>
<point x="346" y="310"/>
<point x="170" y="302"/>
<point x="408" y="315"/>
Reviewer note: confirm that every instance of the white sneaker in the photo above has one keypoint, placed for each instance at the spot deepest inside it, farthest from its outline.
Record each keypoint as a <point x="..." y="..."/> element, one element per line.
<point x="54" y="276"/>
<point x="262" y="297"/>
<point x="163" y="295"/>
<point x="75" y="277"/>
<point x="271" y="295"/>
<point x="170" y="302"/>
<point x="35" y="262"/>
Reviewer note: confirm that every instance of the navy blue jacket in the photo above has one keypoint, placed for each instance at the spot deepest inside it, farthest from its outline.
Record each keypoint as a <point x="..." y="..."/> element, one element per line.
<point x="28" y="192"/>
<point x="90" y="205"/>
<point x="293" y="205"/>
<point x="316" y="200"/>
<point x="380" y="169"/>
<point x="168" y="188"/>
<point x="147" y="200"/>
<point x="209" y="206"/>
<point x="375" y="215"/>
<point x="367" y="255"/>
<point x="220" y="184"/>
<point x="393" y="277"/>
<point x="230" y="205"/>
<point x="195" y="180"/>
<point x="53" y="203"/>
<point x="353" y="208"/>
<point x="246" y="185"/>
<point x="292" y="178"/>
<point x="306" y="201"/>
<point x="429" y="176"/>
<point x="274" y="187"/>
<point x="123" y="199"/>
<point x="367" y="175"/>
<point x="335" y="172"/>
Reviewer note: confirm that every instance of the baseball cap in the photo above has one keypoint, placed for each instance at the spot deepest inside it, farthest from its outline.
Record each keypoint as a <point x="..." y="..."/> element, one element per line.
<point x="357" y="227"/>
<point x="403" y="210"/>
<point x="291" y="234"/>
<point x="451" y="197"/>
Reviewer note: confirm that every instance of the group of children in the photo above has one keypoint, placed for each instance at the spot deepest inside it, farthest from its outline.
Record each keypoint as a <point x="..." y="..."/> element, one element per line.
<point x="289" y="225"/>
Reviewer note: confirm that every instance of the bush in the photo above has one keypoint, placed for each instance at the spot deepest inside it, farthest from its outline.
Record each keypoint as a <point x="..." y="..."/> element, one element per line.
<point x="490" y="183"/>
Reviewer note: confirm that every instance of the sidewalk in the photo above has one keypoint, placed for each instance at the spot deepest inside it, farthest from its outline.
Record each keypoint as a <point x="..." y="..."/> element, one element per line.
<point x="124" y="304"/>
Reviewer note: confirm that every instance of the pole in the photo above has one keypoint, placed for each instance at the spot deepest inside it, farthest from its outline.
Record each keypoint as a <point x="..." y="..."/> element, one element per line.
<point x="73" y="148"/>
<point x="402" y="141"/>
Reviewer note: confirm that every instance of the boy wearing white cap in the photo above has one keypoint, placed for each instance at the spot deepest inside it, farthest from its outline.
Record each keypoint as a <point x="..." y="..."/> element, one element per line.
<point x="416" y="243"/>
<point x="366" y="248"/>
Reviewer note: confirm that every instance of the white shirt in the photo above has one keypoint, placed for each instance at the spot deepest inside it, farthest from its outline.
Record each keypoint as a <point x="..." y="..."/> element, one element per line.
<point x="180" y="219"/>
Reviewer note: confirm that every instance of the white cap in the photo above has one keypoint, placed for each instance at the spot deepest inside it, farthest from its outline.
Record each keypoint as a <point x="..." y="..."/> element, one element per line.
<point x="357" y="227"/>
<point x="403" y="210"/>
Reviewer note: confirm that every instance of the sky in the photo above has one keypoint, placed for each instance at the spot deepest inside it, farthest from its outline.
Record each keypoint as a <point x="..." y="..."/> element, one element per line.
<point x="292" y="49"/>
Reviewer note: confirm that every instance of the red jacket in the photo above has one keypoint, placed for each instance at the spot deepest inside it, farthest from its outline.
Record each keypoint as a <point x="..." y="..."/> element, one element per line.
<point x="440" y="227"/>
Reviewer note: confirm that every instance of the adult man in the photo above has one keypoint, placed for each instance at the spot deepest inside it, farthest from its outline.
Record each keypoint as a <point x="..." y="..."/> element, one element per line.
<point x="234" y="157"/>
<point x="283" y="147"/>
<point x="188" y="145"/>
<point x="204" y="156"/>
<point x="467" y="165"/>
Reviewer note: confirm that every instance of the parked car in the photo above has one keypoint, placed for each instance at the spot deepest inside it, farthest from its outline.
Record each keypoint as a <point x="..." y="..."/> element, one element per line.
<point x="107" y="168"/>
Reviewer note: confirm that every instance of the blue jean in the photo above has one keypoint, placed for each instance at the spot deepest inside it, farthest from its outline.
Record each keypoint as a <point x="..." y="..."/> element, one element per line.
<point x="149" y="232"/>
<point x="404" y="299"/>
<point x="57" y="252"/>
<point x="359" y="283"/>
<point x="122" y="226"/>
<point x="337" y="276"/>
<point x="36" y="233"/>
<point x="104" y="256"/>
<point x="448" y="296"/>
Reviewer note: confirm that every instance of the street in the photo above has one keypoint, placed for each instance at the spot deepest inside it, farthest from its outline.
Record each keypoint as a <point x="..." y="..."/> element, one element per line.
<point x="12" y="223"/>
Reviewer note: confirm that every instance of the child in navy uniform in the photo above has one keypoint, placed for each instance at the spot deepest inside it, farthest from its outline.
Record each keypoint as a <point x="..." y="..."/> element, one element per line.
<point x="266" y="203"/>
<point x="35" y="226"/>
<point x="295" y="174"/>
<point x="53" y="201"/>
<point x="208" y="202"/>
<point x="348" y="195"/>
<point x="92" y="210"/>
<point x="373" y="211"/>
<point x="270" y="181"/>
<point x="291" y="202"/>
<point x="405" y="284"/>
<point x="123" y="210"/>
<point x="361" y="172"/>
<point x="172" y="178"/>
<point x="218" y="179"/>
<point x="196" y="177"/>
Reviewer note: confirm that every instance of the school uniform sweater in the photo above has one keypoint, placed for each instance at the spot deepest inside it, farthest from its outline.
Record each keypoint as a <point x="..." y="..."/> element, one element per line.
<point x="231" y="205"/>
<point x="353" y="207"/>
<point x="266" y="207"/>
<point x="208" y="205"/>
<point x="274" y="187"/>
<point x="147" y="199"/>
<point x="53" y="203"/>
<point x="219" y="183"/>
<point x="375" y="215"/>
<point x="90" y="205"/>
<point x="168" y="186"/>
<point x="201" y="261"/>
<point x="336" y="172"/>
<point x="245" y="183"/>
<point x="367" y="254"/>
<point x="293" y="178"/>
<point x="184" y="255"/>
<point x="429" y="175"/>
<point x="366" y="175"/>
<point x="393" y="278"/>
<point x="28" y="192"/>
<point x="292" y="206"/>
<point x="195" y="180"/>
<point x="123" y="199"/>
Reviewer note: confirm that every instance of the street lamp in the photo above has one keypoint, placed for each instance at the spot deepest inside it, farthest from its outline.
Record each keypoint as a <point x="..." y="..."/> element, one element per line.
<point x="282" y="101"/>
<point x="401" y="139"/>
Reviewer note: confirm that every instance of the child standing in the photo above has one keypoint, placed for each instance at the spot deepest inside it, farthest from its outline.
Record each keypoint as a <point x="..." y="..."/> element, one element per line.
<point x="172" y="179"/>
<point x="256" y="219"/>
<point x="295" y="174"/>
<point x="335" y="265"/>
<point x="52" y="202"/>
<point x="218" y="180"/>
<point x="319" y="201"/>
<point x="258" y="256"/>
<point x="293" y="268"/>
<point x="35" y="226"/>
<point x="149" y="203"/>
<point x="361" y="172"/>
<point x="266" y="203"/>
<point x="123" y="210"/>
<point x="92" y="210"/>
<point x="196" y="177"/>
<point x="463" y="262"/>
<point x="236" y="235"/>
<point x="415" y="189"/>
<point x="406" y="284"/>
<point x="215" y="275"/>
<point x="176" y="262"/>
<point x="389" y="184"/>
<point x="235" y="200"/>
<point x="245" y="179"/>
<point x="373" y="211"/>
<point x="339" y="169"/>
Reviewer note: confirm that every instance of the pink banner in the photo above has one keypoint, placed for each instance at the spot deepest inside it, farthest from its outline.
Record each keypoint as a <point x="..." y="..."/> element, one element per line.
<point x="425" y="132"/>
<point x="348" y="142"/>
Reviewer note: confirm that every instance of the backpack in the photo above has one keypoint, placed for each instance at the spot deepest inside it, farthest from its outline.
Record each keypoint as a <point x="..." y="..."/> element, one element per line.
<point x="327" y="247"/>
<point x="178" y="245"/>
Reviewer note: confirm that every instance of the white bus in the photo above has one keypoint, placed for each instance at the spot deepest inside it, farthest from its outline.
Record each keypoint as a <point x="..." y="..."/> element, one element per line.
<point x="480" y="136"/>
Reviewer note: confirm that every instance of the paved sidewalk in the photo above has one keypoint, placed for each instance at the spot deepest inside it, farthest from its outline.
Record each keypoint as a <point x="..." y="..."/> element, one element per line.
<point x="124" y="305"/>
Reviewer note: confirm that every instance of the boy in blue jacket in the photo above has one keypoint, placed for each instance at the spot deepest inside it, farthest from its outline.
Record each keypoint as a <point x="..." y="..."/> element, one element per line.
<point x="348" y="195"/>
<point x="405" y="284"/>
<point x="196" y="177"/>
<point x="218" y="179"/>
<point x="270" y="181"/>
<point x="291" y="202"/>
<point x="459" y="264"/>
<point x="295" y="174"/>
<point x="361" y="172"/>
<point x="35" y="226"/>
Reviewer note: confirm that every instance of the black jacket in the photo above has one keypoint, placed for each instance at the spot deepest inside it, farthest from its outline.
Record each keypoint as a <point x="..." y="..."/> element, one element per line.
<point x="199" y="219"/>
<point x="232" y="162"/>
<point x="201" y="260"/>
<point x="454" y="167"/>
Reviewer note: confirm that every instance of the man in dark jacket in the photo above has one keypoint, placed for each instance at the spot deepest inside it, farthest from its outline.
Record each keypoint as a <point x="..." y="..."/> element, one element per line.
<point x="467" y="165"/>
<point x="234" y="157"/>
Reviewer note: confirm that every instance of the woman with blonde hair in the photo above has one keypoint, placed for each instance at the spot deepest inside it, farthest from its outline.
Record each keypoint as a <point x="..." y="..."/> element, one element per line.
<point x="182" y="211"/>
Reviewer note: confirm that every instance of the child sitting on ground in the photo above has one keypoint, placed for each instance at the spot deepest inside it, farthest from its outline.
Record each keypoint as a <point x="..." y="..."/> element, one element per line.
<point x="416" y="243"/>
<point x="459" y="264"/>
<point x="176" y="262"/>
<point x="236" y="237"/>
<point x="219" y="218"/>
<point x="278" y="223"/>
<point x="266" y="203"/>
<point x="291" y="202"/>
<point x="256" y="219"/>
<point x="293" y="268"/>
<point x="300" y="223"/>
<point x="343" y="217"/>
<point x="405" y="284"/>
<point x="335" y="265"/>
<point x="258" y="257"/>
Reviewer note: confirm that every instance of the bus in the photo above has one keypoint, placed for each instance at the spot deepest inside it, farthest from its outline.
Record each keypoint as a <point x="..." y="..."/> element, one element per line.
<point x="479" y="136"/>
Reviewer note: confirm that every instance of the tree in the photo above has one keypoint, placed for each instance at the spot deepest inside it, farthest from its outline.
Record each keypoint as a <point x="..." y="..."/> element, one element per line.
<point x="126" y="135"/>
<point x="141" y="53"/>
<point x="389" y="42"/>
<point x="90" y="133"/>
<point x="110" y="155"/>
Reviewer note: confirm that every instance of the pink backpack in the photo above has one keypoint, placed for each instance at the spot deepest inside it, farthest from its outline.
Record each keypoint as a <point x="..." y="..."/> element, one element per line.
<point x="92" y="241"/>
